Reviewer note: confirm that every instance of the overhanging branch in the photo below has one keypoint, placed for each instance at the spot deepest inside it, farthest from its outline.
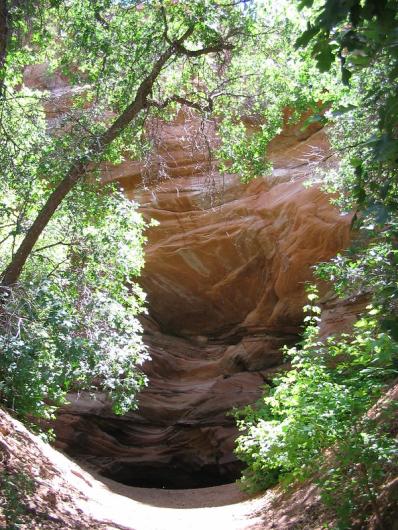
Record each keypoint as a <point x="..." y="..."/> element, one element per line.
<point x="215" y="48"/>
<point x="183" y="101"/>
<point x="79" y="167"/>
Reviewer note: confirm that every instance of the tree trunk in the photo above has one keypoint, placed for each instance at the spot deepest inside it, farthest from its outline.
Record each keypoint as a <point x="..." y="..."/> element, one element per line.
<point x="79" y="170"/>
<point x="3" y="41"/>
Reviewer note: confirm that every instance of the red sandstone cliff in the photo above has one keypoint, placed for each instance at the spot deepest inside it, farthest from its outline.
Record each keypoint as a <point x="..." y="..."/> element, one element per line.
<point x="225" y="274"/>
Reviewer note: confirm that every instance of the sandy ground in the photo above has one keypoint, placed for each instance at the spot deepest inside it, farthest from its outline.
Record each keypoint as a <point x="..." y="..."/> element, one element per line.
<point x="221" y="507"/>
<point x="67" y="495"/>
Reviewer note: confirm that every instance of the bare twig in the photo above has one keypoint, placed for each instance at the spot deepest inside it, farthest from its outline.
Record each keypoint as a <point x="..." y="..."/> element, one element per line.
<point x="53" y="245"/>
<point x="182" y="101"/>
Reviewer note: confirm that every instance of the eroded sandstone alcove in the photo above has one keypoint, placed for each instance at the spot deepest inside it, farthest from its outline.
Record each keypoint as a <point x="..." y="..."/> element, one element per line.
<point x="225" y="274"/>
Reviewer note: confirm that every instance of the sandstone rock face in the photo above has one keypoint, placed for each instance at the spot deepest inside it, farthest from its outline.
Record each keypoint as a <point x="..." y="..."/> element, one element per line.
<point x="225" y="274"/>
<point x="239" y="268"/>
<point x="339" y="315"/>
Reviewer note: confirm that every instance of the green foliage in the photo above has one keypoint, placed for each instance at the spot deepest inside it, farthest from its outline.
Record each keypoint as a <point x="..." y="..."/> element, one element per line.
<point x="26" y="36"/>
<point x="320" y="404"/>
<point x="363" y="36"/>
<point x="268" y="84"/>
<point x="72" y="323"/>
<point x="372" y="270"/>
<point x="15" y="489"/>
<point x="356" y="470"/>
<point x="352" y="31"/>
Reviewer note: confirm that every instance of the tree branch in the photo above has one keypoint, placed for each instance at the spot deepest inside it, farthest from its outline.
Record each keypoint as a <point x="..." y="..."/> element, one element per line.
<point x="100" y="19"/>
<point x="166" y="25"/>
<point x="54" y="245"/>
<point x="80" y="167"/>
<point x="215" y="48"/>
<point x="182" y="101"/>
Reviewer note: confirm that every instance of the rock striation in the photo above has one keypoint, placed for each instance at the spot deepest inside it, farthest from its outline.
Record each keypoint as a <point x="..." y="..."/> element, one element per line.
<point x="225" y="274"/>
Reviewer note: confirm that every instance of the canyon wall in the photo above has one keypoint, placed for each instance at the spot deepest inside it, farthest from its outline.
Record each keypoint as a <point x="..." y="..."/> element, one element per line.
<point x="225" y="274"/>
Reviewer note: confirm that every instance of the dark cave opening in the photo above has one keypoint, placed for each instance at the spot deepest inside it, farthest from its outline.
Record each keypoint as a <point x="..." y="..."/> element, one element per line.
<point x="175" y="476"/>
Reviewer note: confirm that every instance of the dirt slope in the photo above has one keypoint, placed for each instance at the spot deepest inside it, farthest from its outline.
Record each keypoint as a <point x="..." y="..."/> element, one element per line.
<point x="43" y="489"/>
<point x="40" y="488"/>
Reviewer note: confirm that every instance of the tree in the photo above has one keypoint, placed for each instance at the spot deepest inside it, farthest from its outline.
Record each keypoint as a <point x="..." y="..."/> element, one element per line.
<point x="68" y="314"/>
<point x="319" y="414"/>
<point x="361" y="36"/>
<point x="172" y="46"/>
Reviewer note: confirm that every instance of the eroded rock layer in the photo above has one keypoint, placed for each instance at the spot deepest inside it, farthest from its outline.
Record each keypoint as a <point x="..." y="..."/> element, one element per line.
<point x="225" y="274"/>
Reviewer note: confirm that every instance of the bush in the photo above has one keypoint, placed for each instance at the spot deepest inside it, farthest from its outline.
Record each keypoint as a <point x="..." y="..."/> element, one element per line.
<point x="321" y="404"/>
<point x="71" y="323"/>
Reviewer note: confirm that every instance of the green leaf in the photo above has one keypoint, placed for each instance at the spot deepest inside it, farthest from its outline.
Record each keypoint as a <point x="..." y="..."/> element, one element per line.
<point x="346" y="75"/>
<point x="307" y="35"/>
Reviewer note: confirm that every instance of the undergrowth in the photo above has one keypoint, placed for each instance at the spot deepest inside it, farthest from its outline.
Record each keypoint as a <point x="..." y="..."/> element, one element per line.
<point x="314" y="422"/>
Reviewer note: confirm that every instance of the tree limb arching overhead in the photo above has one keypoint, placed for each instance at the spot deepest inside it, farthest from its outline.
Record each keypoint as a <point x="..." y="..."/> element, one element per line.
<point x="80" y="166"/>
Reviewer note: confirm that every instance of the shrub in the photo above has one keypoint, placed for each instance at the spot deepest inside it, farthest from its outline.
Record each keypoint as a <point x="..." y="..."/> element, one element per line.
<point x="321" y="404"/>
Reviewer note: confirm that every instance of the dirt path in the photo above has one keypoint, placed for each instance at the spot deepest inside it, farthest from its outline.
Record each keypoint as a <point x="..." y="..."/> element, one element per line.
<point x="129" y="508"/>
<point x="64" y="495"/>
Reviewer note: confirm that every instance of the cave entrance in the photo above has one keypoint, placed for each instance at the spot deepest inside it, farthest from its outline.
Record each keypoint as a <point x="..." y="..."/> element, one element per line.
<point x="173" y="476"/>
